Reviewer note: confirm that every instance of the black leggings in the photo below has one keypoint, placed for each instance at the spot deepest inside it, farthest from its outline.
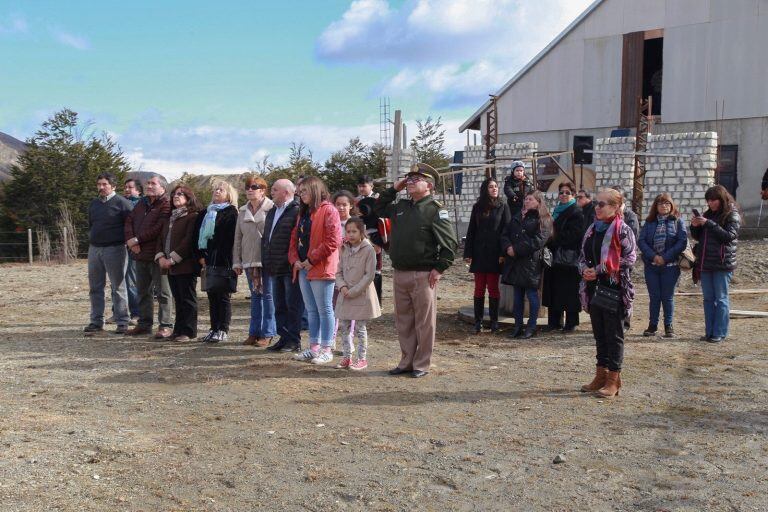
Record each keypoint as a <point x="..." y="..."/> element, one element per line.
<point x="608" y="329"/>
<point x="220" y="310"/>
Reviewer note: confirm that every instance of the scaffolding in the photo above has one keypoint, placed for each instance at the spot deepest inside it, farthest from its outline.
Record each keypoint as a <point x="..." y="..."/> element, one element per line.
<point x="385" y="130"/>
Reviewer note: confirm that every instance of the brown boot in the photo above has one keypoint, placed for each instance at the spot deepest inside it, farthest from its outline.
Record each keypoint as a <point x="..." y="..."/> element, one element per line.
<point x="250" y="340"/>
<point x="612" y="385"/>
<point x="597" y="382"/>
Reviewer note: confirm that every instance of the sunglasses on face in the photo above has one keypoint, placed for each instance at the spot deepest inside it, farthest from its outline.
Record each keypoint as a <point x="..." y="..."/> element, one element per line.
<point x="179" y="194"/>
<point x="414" y="179"/>
<point x="254" y="187"/>
<point x="565" y="192"/>
<point x="602" y="204"/>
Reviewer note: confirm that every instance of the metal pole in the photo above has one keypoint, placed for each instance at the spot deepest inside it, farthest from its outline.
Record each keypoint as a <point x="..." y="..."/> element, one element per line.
<point x="760" y="215"/>
<point x="29" y="245"/>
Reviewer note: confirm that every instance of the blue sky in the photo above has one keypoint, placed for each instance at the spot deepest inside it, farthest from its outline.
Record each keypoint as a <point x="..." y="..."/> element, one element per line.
<point x="215" y="86"/>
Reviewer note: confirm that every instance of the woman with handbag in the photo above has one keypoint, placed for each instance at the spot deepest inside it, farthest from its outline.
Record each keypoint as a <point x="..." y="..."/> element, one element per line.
<point x="716" y="231"/>
<point x="246" y="255"/>
<point x="523" y="243"/>
<point x="482" y="250"/>
<point x="175" y="256"/>
<point x="314" y="255"/>
<point x="215" y="237"/>
<point x="607" y="255"/>
<point x="662" y="239"/>
<point x="560" y="290"/>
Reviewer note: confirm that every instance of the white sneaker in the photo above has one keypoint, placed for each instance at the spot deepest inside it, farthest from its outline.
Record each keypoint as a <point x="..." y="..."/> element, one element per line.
<point x="306" y="355"/>
<point x="323" y="357"/>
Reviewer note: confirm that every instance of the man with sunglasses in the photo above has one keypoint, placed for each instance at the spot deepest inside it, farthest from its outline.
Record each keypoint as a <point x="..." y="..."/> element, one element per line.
<point x="422" y="247"/>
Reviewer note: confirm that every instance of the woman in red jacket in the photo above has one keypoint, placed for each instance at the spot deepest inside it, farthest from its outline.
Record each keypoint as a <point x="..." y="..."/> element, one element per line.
<point x="314" y="255"/>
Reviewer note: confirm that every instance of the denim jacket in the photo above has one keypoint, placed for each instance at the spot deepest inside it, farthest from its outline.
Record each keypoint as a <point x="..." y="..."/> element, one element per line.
<point x="677" y="238"/>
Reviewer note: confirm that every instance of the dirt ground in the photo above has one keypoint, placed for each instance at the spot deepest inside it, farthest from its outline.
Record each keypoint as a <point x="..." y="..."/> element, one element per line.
<point x="112" y="423"/>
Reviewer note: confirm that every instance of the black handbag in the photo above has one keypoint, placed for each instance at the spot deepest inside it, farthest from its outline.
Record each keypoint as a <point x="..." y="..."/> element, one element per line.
<point x="565" y="257"/>
<point x="219" y="280"/>
<point x="606" y="298"/>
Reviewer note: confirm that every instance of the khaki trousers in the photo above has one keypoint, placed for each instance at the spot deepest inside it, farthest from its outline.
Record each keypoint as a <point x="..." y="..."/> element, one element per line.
<point x="415" y="318"/>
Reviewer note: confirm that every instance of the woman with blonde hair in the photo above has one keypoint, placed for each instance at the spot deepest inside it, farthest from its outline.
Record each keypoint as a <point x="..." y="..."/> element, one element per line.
<point x="314" y="255"/>
<point x="523" y="242"/>
<point x="214" y="239"/>
<point x="606" y="291"/>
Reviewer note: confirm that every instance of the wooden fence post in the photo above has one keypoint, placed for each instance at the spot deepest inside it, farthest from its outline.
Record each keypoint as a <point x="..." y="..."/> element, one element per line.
<point x="66" y="244"/>
<point x="29" y="245"/>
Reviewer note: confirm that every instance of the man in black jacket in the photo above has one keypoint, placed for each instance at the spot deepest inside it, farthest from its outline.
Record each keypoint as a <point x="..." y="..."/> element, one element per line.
<point x="274" y="257"/>
<point x="587" y="205"/>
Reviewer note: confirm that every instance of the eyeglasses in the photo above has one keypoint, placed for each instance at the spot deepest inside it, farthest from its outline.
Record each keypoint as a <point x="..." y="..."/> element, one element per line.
<point x="565" y="192"/>
<point x="414" y="179"/>
<point x="254" y="187"/>
<point x="302" y="192"/>
<point x="179" y="194"/>
<point x="581" y="197"/>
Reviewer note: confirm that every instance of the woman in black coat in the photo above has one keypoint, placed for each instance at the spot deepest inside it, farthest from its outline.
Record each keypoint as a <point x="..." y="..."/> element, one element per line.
<point x="215" y="237"/>
<point x="482" y="250"/>
<point x="523" y="243"/>
<point x="561" y="280"/>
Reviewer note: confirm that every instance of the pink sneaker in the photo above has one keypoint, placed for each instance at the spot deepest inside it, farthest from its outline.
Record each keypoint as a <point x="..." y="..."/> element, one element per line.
<point x="344" y="363"/>
<point x="360" y="364"/>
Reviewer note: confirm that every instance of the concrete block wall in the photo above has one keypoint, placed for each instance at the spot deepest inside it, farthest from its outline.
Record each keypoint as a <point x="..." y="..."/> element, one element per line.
<point x="406" y="160"/>
<point x="686" y="178"/>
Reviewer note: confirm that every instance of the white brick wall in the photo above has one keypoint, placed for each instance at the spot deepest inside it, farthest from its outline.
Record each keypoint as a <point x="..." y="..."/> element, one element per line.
<point x="685" y="178"/>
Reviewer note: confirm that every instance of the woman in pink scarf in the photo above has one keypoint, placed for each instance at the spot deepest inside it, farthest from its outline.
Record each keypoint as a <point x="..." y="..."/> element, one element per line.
<point x="608" y="252"/>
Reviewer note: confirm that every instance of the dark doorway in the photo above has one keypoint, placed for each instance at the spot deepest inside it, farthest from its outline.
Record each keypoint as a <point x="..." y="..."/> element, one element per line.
<point x="653" y="63"/>
<point x="726" y="172"/>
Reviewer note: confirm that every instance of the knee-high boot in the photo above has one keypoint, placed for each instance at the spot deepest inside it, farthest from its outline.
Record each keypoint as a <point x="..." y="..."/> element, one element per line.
<point x="493" y="312"/>
<point x="479" y="313"/>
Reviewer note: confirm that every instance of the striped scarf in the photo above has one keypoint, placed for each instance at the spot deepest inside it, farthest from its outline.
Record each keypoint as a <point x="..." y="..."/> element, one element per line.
<point x="660" y="235"/>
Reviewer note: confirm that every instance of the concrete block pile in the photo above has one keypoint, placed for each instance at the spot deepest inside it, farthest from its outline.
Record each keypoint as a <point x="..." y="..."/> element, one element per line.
<point x="686" y="178"/>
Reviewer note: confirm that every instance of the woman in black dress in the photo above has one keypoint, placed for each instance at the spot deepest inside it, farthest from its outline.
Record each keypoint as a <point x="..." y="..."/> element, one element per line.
<point x="561" y="280"/>
<point x="482" y="250"/>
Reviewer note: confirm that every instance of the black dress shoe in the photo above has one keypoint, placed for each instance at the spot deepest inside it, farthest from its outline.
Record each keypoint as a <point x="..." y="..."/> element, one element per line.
<point x="530" y="332"/>
<point x="276" y="347"/>
<point x="550" y="328"/>
<point x="417" y="374"/>
<point x="398" y="371"/>
<point x="515" y="332"/>
<point x="290" y="347"/>
<point x="568" y="328"/>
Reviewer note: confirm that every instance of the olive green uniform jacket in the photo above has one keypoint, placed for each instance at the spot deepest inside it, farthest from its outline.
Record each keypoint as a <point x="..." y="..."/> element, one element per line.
<point x="422" y="235"/>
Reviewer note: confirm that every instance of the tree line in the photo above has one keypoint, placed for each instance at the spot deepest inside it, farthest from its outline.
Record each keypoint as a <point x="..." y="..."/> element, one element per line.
<point x="54" y="180"/>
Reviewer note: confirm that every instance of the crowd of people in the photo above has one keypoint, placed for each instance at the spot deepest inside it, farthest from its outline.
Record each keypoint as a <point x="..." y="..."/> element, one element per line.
<point x="314" y="259"/>
<point x="580" y="257"/>
<point x="310" y="259"/>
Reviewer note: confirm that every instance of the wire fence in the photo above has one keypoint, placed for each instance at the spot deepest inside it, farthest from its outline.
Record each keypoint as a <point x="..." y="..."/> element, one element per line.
<point x="42" y="246"/>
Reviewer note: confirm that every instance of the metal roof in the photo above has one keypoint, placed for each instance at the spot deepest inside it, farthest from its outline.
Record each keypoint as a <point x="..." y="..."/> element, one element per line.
<point x="476" y="116"/>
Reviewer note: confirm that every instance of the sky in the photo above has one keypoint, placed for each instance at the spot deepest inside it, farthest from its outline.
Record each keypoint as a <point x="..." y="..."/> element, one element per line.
<point x="215" y="87"/>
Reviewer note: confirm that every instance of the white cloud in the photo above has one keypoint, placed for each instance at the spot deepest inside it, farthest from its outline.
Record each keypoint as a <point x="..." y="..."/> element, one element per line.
<point x="209" y="149"/>
<point x="15" y="24"/>
<point x="458" y="51"/>
<point x="72" y="40"/>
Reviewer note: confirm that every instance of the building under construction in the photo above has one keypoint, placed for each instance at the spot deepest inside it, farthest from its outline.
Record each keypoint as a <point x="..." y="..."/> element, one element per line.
<point x="702" y="63"/>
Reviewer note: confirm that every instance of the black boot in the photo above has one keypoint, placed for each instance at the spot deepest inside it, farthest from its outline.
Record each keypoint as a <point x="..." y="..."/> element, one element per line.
<point x="493" y="312"/>
<point x="530" y="332"/>
<point x="516" y="331"/>
<point x="479" y="313"/>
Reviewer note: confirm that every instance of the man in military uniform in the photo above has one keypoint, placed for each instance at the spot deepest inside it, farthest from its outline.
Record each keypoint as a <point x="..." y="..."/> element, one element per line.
<point x="422" y="247"/>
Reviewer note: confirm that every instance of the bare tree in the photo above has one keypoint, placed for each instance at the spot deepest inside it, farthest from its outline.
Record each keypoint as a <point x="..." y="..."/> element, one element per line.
<point x="67" y="234"/>
<point x="43" y="245"/>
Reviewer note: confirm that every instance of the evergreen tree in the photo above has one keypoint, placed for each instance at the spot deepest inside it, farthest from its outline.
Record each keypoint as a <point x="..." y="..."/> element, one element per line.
<point x="429" y="143"/>
<point x="59" y="168"/>
<point x="343" y="167"/>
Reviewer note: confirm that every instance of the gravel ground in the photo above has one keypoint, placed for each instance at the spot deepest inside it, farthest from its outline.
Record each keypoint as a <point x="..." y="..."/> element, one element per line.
<point x="110" y="423"/>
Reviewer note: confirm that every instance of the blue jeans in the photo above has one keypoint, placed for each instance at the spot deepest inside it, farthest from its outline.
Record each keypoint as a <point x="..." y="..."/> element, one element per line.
<point x="130" y="284"/>
<point x="661" y="282"/>
<point x="714" y="286"/>
<point x="262" y="308"/>
<point x="519" y="305"/>
<point x="288" y="309"/>
<point x="106" y="262"/>
<point x="318" y="299"/>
